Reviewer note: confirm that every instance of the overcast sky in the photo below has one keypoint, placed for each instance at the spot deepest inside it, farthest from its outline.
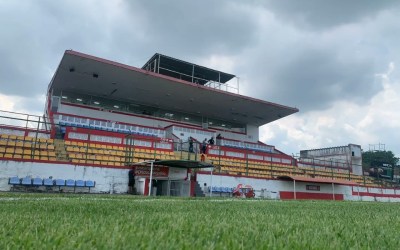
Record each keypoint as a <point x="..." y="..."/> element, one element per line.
<point x="336" y="61"/>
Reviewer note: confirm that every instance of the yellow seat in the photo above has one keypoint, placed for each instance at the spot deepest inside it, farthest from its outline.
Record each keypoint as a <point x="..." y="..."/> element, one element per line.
<point x="29" y="138"/>
<point x="2" y="149"/>
<point x="50" y="147"/>
<point x="7" y="155"/>
<point x="10" y="150"/>
<point x="12" y="137"/>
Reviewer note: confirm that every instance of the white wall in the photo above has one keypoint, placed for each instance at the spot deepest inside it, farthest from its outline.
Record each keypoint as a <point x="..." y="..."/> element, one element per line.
<point x="272" y="187"/>
<point x="107" y="179"/>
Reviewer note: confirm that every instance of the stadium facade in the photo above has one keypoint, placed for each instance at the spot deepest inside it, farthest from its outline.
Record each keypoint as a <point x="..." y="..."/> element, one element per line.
<point x="103" y="119"/>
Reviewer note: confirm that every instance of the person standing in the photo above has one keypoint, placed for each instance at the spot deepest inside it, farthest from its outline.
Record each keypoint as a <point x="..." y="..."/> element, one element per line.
<point x="131" y="181"/>
<point x="204" y="146"/>
<point x="190" y="144"/>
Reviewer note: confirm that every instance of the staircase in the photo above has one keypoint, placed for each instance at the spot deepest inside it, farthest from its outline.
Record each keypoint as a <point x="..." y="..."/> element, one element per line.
<point x="198" y="192"/>
<point x="61" y="152"/>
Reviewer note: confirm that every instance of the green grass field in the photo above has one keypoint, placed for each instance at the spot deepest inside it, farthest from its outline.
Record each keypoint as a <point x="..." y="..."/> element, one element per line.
<point x="54" y="221"/>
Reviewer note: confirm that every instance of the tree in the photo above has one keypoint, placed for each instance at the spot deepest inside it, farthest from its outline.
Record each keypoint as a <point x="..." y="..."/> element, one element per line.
<point x="377" y="159"/>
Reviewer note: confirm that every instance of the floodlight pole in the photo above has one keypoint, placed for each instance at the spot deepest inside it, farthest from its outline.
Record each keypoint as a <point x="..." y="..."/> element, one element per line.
<point x="151" y="177"/>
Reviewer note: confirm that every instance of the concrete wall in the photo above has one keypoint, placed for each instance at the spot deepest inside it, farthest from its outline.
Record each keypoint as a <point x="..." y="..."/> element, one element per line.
<point x="108" y="180"/>
<point x="350" y="154"/>
<point x="274" y="188"/>
<point x="111" y="180"/>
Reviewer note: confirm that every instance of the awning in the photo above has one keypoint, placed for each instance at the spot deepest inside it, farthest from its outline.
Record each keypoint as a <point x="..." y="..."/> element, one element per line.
<point x="316" y="180"/>
<point x="187" y="71"/>
<point x="87" y="75"/>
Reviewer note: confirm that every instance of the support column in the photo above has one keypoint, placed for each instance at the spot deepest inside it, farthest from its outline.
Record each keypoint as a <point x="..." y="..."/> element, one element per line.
<point x="151" y="177"/>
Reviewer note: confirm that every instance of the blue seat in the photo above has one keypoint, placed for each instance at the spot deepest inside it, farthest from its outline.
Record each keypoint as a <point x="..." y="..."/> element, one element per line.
<point x="27" y="181"/>
<point x="37" y="181"/>
<point x="90" y="183"/>
<point x="60" y="182"/>
<point x="48" y="182"/>
<point x="70" y="183"/>
<point x="80" y="183"/>
<point x="14" y="181"/>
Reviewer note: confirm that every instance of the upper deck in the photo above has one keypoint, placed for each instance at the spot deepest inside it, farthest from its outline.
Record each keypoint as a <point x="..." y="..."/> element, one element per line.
<point x="85" y="74"/>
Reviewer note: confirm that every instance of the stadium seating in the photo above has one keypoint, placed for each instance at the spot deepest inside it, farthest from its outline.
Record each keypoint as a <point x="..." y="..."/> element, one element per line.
<point x="27" y="148"/>
<point x="35" y="183"/>
<point x="111" y="155"/>
<point x="13" y="147"/>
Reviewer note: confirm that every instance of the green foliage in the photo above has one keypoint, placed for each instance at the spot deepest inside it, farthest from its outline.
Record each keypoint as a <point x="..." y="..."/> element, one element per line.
<point x="377" y="158"/>
<point x="44" y="221"/>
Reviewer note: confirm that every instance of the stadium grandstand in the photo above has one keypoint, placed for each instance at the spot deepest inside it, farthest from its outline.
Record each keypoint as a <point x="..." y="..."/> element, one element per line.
<point x="179" y="129"/>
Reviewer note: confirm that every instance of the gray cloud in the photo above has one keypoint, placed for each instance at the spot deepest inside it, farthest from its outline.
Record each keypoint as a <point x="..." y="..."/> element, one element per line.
<point x="314" y="79"/>
<point x="315" y="14"/>
<point x="199" y="28"/>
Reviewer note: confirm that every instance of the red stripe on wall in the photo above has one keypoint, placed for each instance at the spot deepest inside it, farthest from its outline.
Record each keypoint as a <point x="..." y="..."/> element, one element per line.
<point x="309" y="196"/>
<point x="376" y="195"/>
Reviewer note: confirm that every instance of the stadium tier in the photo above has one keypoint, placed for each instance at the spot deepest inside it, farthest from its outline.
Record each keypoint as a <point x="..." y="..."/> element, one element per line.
<point x="181" y="127"/>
